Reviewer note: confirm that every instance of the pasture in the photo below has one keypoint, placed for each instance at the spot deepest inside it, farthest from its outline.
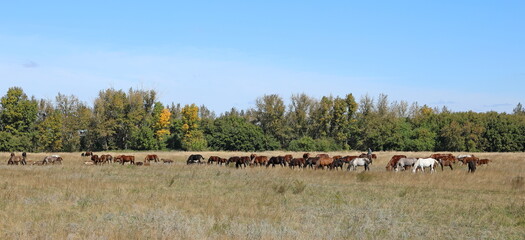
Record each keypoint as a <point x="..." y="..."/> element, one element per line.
<point x="179" y="201"/>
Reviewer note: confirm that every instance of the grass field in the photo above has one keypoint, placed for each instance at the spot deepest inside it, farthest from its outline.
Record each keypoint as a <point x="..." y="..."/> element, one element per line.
<point x="76" y="201"/>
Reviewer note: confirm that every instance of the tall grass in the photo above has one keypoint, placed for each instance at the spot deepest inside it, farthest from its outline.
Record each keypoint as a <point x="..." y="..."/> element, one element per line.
<point x="76" y="201"/>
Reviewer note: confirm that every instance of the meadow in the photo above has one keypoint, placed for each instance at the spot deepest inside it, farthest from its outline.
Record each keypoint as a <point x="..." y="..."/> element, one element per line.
<point x="179" y="201"/>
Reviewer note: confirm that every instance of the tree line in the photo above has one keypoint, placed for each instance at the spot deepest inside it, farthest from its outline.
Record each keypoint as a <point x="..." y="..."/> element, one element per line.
<point x="137" y="120"/>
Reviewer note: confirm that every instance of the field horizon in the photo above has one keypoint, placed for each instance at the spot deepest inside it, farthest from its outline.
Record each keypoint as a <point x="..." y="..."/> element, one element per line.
<point x="179" y="201"/>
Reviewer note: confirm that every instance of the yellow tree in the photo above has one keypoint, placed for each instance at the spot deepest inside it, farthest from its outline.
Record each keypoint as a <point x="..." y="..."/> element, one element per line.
<point x="193" y="137"/>
<point x="162" y="124"/>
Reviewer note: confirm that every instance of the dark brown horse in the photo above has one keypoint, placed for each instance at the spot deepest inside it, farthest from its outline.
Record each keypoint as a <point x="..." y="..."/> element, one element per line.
<point x="212" y="159"/>
<point x="151" y="157"/>
<point x="297" y="162"/>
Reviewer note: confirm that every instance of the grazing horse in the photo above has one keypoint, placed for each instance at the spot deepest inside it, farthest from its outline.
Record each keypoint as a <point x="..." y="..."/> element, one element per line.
<point x="96" y="159"/>
<point x="444" y="156"/>
<point x="471" y="166"/>
<point x="466" y="160"/>
<point x="359" y="162"/>
<point x="483" y="161"/>
<point x="212" y="159"/>
<point x="125" y="158"/>
<point x="239" y="161"/>
<point x="151" y="157"/>
<point x="425" y="162"/>
<point x="445" y="162"/>
<point x="405" y="163"/>
<point x="105" y="158"/>
<point x="169" y="161"/>
<point x="324" y="162"/>
<point x="393" y="161"/>
<point x="276" y="160"/>
<point x="194" y="158"/>
<point x="258" y="160"/>
<point x="52" y="159"/>
<point x="222" y="161"/>
<point x="296" y="162"/>
<point x="337" y="163"/>
<point x="311" y="161"/>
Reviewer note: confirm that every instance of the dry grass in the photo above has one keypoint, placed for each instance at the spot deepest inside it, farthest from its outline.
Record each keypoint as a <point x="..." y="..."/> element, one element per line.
<point x="75" y="201"/>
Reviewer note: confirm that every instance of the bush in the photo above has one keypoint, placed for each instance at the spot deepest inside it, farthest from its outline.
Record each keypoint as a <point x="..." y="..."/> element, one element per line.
<point x="306" y="144"/>
<point x="326" y="145"/>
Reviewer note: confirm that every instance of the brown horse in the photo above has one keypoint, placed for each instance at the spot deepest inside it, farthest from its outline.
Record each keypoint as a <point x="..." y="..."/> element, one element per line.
<point x="152" y="157"/>
<point x="125" y="158"/>
<point x="393" y="161"/>
<point x="484" y="161"/>
<point x="324" y="162"/>
<point x="258" y="160"/>
<point x="106" y="158"/>
<point x="212" y="159"/>
<point x="444" y="156"/>
<point x="445" y="162"/>
<point x="297" y="162"/>
<point x="169" y="161"/>
<point x="15" y="160"/>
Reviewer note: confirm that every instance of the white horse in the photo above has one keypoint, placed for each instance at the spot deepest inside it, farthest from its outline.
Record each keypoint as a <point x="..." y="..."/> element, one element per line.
<point x="425" y="162"/>
<point x="359" y="162"/>
<point x="404" y="162"/>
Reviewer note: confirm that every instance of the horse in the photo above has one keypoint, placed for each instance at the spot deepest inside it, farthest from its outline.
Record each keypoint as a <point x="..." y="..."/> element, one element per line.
<point x="324" y="162"/>
<point x="471" y="166"/>
<point x="15" y="160"/>
<point x="425" y="162"/>
<point x="276" y="160"/>
<point x="125" y="158"/>
<point x="86" y="154"/>
<point x="52" y="159"/>
<point x="151" y="157"/>
<point x="258" y="160"/>
<point x="484" y="161"/>
<point x="96" y="159"/>
<point x="444" y="156"/>
<point x="359" y="162"/>
<point x="322" y="155"/>
<point x="337" y="163"/>
<point x="466" y="160"/>
<point x="404" y="163"/>
<point x="194" y="158"/>
<point x="371" y="157"/>
<point x="169" y="161"/>
<point x="445" y="162"/>
<point x="286" y="159"/>
<point x="306" y="155"/>
<point x="296" y="162"/>
<point x="393" y="161"/>
<point x="105" y="158"/>
<point x="311" y="161"/>
<point x="212" y="159"/>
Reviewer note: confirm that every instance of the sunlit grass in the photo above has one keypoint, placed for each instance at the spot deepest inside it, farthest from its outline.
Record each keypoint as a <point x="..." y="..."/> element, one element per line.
<point x="162" y="201"/>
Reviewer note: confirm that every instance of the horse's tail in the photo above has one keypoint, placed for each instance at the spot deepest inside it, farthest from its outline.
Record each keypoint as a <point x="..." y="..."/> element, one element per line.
<point x="438" y="162"/>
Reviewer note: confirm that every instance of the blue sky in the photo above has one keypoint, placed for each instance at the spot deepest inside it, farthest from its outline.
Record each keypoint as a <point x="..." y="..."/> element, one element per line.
<point x="467" y="55"/>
